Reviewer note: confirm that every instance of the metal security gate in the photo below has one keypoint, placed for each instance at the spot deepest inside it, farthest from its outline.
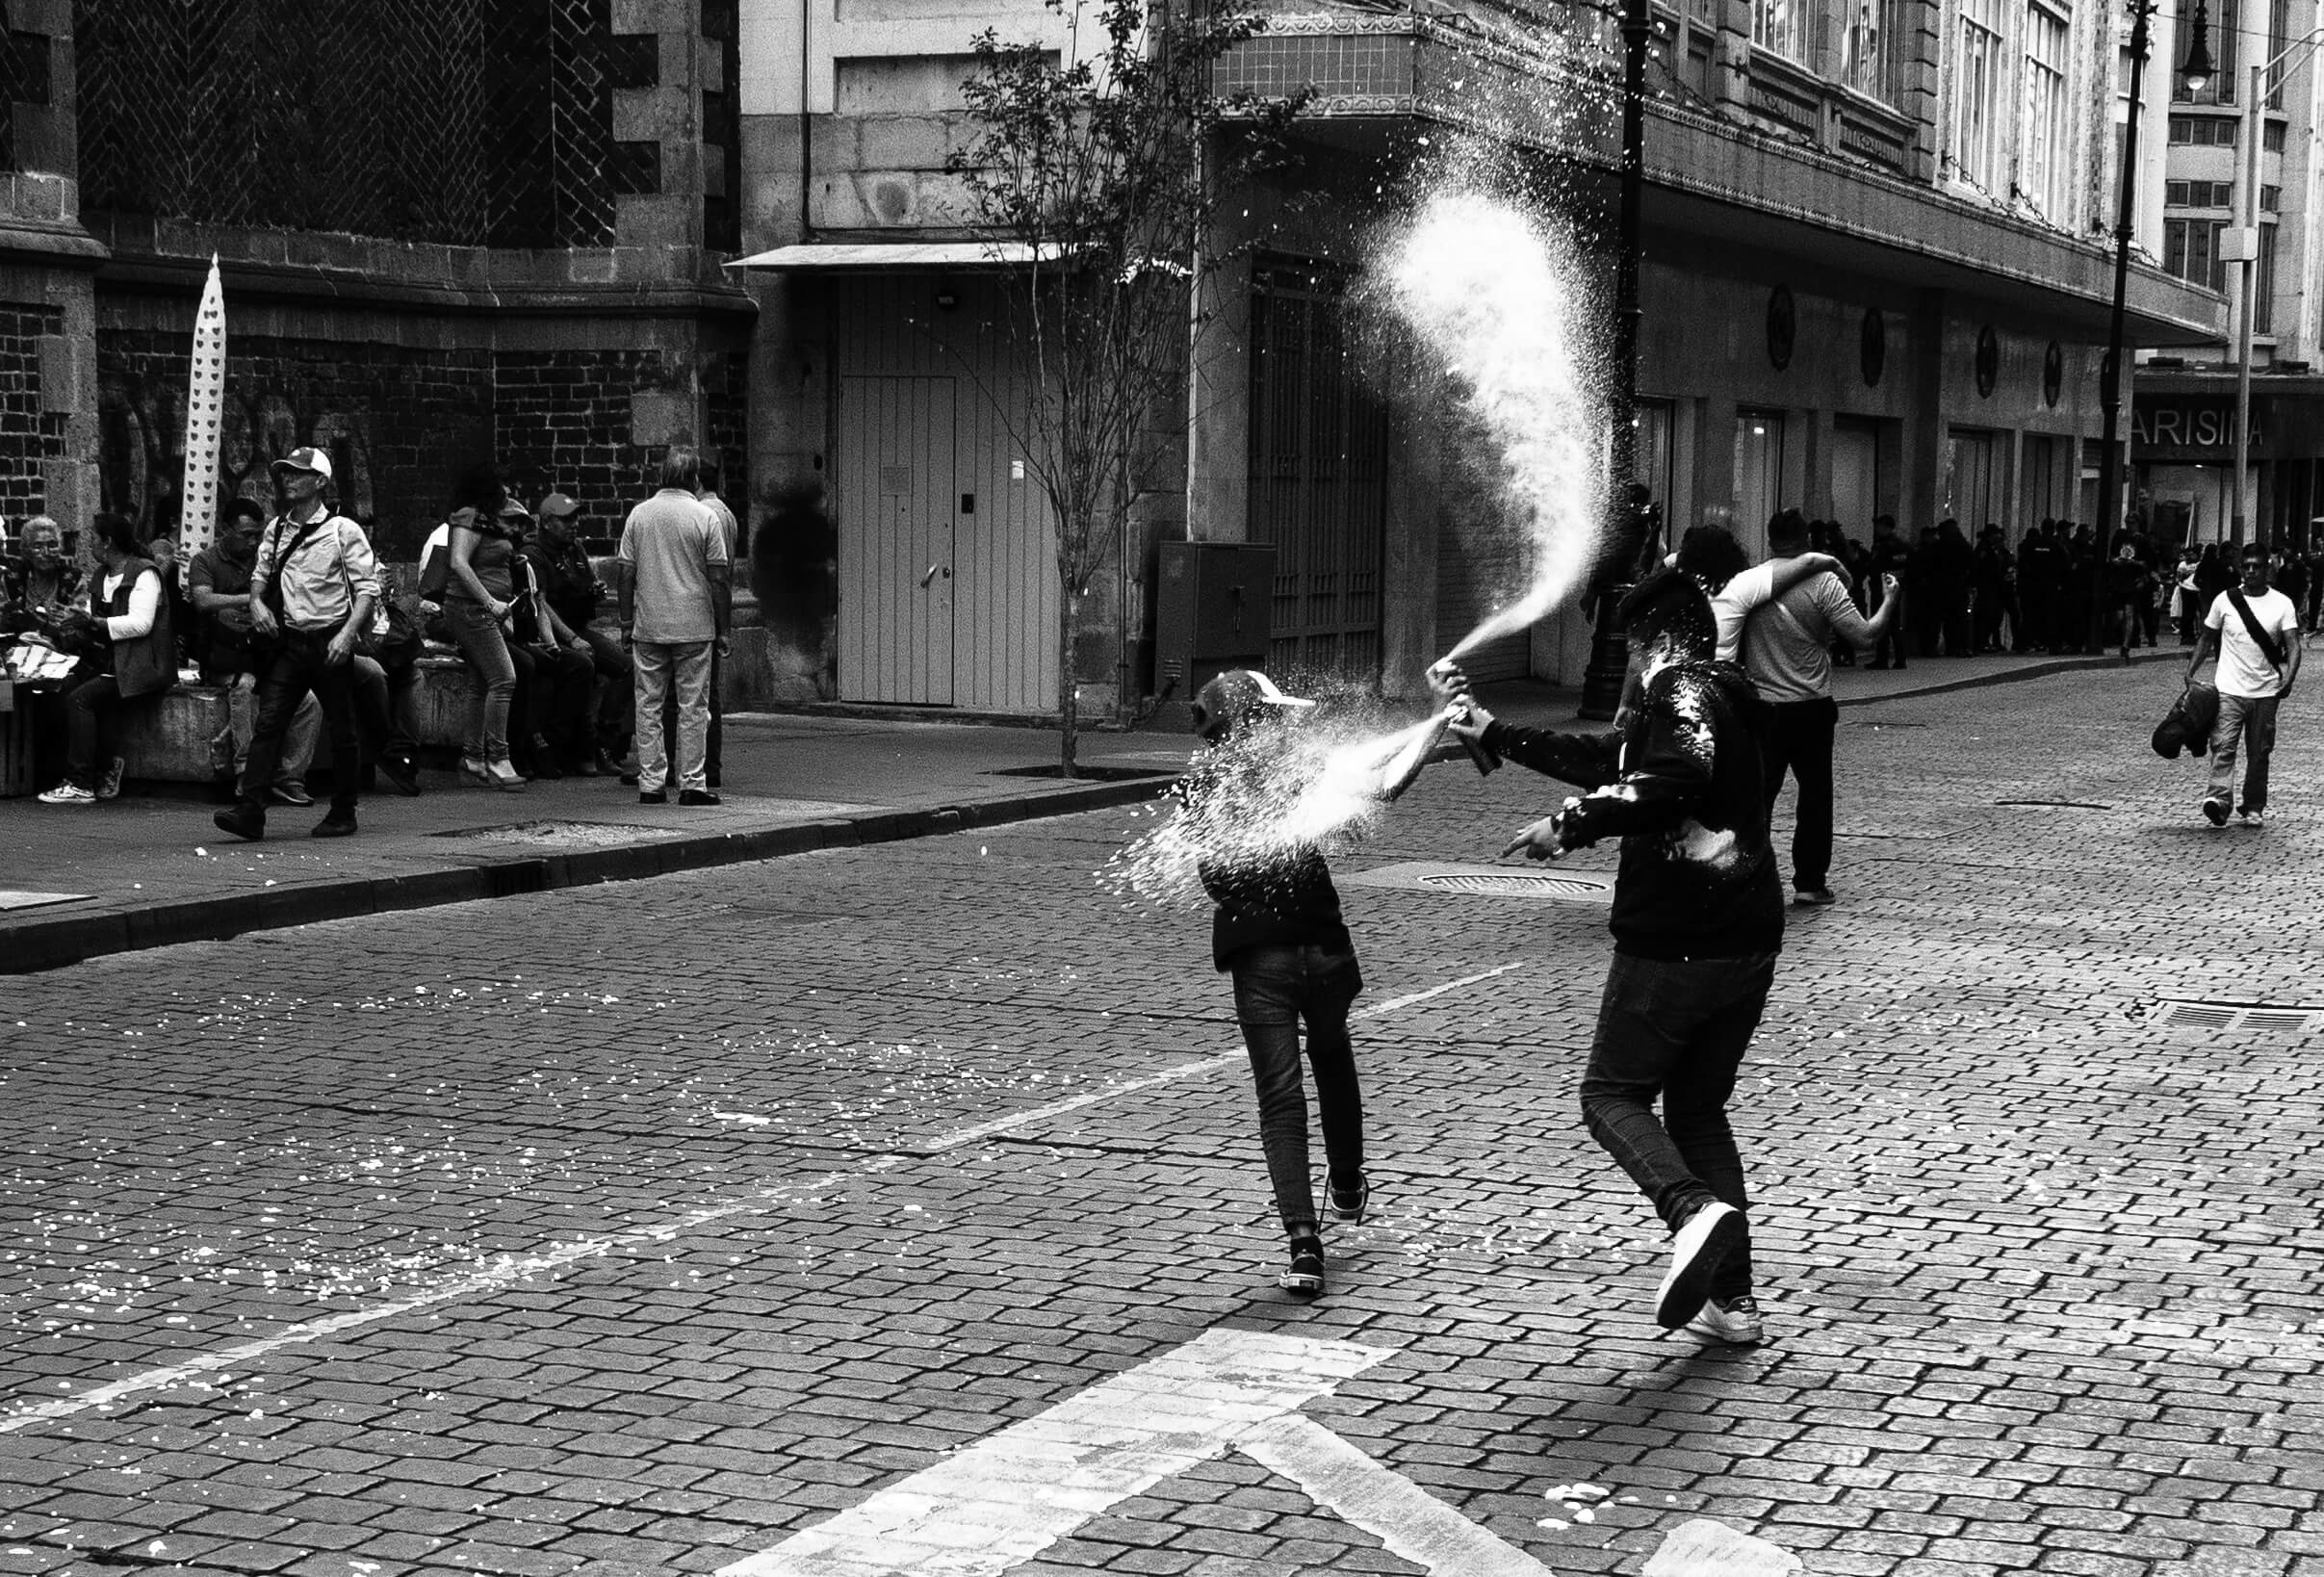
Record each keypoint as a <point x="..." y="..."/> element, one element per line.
<point x="892" y="464"/>
<point x="1318" y="476"/>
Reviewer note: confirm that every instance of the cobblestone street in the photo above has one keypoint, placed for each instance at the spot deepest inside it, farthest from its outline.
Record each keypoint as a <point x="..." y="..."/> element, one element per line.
<point x="637" y="1229"/>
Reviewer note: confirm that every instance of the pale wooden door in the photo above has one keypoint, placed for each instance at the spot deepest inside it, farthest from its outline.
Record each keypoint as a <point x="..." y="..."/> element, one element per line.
<point x="893" y="465"/>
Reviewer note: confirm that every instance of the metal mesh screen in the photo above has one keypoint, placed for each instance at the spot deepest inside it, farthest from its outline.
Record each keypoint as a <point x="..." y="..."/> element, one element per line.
<point x="466" y="121"/>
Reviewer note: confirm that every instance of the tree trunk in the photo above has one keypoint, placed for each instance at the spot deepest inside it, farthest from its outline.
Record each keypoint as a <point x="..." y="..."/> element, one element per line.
<point x="1068" y="683"/>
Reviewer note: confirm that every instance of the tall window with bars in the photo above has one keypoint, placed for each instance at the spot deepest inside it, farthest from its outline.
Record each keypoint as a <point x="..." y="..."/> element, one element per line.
<point x="1977" y="105"/>
<point x="1864" y="48"/>
<point x="2190" y="250"/>
<point x="1782" y="27"/>
<point x="2042" y="163"/>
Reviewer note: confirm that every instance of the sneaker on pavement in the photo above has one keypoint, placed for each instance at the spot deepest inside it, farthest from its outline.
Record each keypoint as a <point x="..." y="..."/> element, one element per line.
<point x="109" y="786"/>
<point x="1736" y="1322"/>
<point x="338" y="824"/>
<point x="289" y="793"/>
<point x="2252" y="818"/>
<point x="403" y="774"/>
<point x="2215" y="810"/>
<point x="243" y="822"/>
<point x="1350" y="1200"/>
<point x="1303" y="1275"/>
<point x="1813" y="898"/>
<point x="1703" y="1241"/>
<point x="696" y="796"/>
<point x="70" y="792"/>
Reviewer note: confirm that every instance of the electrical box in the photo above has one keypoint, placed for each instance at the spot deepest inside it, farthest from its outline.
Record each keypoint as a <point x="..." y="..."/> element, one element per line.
<point x="1212" y="602"/>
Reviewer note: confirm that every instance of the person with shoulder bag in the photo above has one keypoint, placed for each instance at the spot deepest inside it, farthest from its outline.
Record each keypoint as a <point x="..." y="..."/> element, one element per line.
<point x="314" y="592"/>
<point x="131" y="654"/>
<point x="2255" y="634"/>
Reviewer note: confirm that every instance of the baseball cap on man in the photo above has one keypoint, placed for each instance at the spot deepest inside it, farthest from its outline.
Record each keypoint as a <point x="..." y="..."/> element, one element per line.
<point x="305" y="458"/>
<point x="557" y="504"/>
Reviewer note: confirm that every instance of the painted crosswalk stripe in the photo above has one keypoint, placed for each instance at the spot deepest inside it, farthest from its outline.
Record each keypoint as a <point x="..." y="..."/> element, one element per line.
<point x="1013" y="1493"/>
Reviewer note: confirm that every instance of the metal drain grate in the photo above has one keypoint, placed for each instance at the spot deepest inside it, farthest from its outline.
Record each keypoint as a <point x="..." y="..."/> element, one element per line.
<point x="2237" y="1017"/>
<point x="1514" y="884"/>
<point x="2057" y="804"/>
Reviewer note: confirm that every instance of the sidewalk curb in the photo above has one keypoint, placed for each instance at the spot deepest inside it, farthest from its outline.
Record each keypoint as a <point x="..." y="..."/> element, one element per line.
<point x="2011" y="676"/>
<point x="29" y="946"/>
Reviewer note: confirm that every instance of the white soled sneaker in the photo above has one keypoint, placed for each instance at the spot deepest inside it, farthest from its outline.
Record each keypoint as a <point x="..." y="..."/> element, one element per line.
<point x="1704" y="1239"/>
<point x="1736" y="1324"/>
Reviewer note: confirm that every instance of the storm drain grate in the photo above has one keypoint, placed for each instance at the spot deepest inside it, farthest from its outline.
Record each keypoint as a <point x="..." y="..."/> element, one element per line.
<point x="1485" y="882"/>
<point x="1514" y="884"/>
<point x="2221" y="1018"/>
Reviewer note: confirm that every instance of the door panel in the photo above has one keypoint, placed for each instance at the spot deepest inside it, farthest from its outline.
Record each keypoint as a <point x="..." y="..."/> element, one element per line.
<point x="893" y="471"/>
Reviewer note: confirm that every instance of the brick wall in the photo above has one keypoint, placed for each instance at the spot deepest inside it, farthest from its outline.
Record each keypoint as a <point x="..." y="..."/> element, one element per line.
<point x="30" y="435"/>
<point x="400" y="424"/>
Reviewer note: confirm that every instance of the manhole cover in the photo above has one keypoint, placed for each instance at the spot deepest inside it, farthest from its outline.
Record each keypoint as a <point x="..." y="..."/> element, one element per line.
<point x="1515" y="884"/>
<point x="2220" y="1018"/>
<point x="563" y="835"/>
<point x="2057" y="804"/>
<point x="1485" y="881"/>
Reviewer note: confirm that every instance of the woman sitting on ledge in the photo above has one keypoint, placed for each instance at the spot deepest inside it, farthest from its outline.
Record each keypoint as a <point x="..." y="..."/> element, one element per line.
<point x="134" y="657"/>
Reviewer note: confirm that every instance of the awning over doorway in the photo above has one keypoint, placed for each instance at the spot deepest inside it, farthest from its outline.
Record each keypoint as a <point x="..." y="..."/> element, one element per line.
<point x="893" y="255"/>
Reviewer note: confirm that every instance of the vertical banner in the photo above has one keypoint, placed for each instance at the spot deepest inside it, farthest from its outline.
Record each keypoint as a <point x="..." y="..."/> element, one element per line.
<point x="205" y="410"/>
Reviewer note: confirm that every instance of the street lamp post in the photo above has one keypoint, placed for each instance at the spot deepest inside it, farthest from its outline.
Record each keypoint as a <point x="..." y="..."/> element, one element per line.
<point x="1608" y="654"/>
<point x="2246" y="254"/>
<point x="2195" y="70"/>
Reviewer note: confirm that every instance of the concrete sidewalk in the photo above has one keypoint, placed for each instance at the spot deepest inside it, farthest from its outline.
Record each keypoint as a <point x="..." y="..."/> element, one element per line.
<point x="148" y="872"/>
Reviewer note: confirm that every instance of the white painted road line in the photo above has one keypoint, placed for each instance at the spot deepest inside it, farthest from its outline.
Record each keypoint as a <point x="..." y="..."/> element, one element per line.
<point x="1407" y="1518"/>
<point x="506" y="1273"/>
<point x="1009" y="1497"/>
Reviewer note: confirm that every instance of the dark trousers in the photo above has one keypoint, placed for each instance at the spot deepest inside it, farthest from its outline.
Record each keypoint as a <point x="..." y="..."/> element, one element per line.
<point x="2190" y="615"/>
<point x="1889" y="652"/>
<point x="615" y="703"/>
<point x="1274" y="988"/>
<point x="89" y="706"/>
<point x="300" y="663"/>
<point x="553" y="698"/>
<point x="1677" y="1030"/>
<point x="1800" y="738"/>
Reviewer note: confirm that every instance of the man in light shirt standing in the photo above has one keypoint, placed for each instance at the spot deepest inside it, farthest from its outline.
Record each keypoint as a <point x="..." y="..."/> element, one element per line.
<point x="1787" y="650"/>
<point x="677" y="601"/>
<point x="313" y="590"/>
<point x="2256" y="632"/>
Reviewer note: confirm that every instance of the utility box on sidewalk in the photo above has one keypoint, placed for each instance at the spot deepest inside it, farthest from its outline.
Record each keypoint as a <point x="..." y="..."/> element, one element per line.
<point x="1212" y="602"/>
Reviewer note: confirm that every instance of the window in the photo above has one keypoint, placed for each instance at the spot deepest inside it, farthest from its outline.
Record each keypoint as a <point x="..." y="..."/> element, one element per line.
<point x="2271" y="199"/>
<point x="1782" y="26"/>
<point x="2210" y="195"/>
<point x="2224" y="81"/>
<point x="1969" y="477"/>
<point x="2271" y="137"/>
<point x="2263" y="289"/>
<point x="2042" y="172"/>
<point x="2190" y="250"/>
<point x="1976" y="92"/>
<point x="1864" y="49"/>
<point x="2203" y="131"/>
<point x="1758" y="471"/>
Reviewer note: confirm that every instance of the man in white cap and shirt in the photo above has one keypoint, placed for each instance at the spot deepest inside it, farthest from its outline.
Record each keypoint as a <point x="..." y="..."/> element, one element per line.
<point x="314" y="588"/>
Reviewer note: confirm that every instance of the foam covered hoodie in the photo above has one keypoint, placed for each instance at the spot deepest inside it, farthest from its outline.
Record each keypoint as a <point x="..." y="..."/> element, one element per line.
<point x="1681" y="786"/>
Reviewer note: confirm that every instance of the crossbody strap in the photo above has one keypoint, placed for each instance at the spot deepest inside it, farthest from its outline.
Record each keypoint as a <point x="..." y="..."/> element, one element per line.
<point x="2266" y="642"/>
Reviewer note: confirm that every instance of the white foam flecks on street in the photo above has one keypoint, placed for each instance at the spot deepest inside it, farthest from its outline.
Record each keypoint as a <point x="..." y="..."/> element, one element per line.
<point x="1013" y="1494"/>
<point x="1704" y="1548"/>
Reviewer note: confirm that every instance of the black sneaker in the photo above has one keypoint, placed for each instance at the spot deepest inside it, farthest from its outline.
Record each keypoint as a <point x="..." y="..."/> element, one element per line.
<point x="401" y="774"/>
<point x="1303" y="1275"/>
<point x="2214" y="810"/>
<point x="696" y="796"/>
<point x="1703" y="1240"/>
<point x="1349" y="1201"/>
<point x="242" y="821"/>
<point x="338" y="824"/>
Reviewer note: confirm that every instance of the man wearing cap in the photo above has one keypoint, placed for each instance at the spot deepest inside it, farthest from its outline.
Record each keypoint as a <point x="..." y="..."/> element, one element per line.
<point x="569" y="583"/>
<point x="676" y="602"/>
<point x="313" y="590"/>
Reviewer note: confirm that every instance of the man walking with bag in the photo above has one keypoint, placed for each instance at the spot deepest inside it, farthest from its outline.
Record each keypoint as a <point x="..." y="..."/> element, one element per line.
<point x="2256" y="632"/>
<point x="313" y="591"/>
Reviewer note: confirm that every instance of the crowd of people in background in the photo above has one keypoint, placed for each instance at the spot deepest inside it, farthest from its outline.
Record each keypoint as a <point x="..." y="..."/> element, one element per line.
<point x="291" y="613"/>
<point x="2058" y="590"/>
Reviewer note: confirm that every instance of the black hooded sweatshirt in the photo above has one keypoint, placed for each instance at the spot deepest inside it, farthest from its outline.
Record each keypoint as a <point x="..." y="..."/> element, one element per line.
<point x="1682" y="788"/>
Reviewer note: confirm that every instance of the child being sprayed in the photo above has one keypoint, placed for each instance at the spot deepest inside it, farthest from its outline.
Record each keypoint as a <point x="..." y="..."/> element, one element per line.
<point x="1256" y="805"/>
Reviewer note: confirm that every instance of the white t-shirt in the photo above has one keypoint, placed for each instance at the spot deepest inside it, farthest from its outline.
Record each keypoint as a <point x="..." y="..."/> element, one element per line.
<point x="2244" y="670"/>
<point x="1748" y="590"/>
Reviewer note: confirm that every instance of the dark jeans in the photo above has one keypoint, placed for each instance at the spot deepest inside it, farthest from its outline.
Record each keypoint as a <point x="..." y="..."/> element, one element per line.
<point x="300" y="664"/>
<point x="1677" y="1030"/>
<point x="1890" y="651"/>
<point x="553" y="698"/>
<point x="1799" y="737"/>
<point x="615" y="703"/>
<point x="89" y="709"/>
<point x="1274" y="988"/>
